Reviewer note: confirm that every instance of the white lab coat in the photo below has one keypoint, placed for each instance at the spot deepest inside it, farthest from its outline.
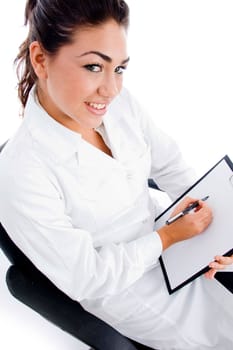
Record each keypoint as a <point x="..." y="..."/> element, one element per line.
<point x="85" y="219"/>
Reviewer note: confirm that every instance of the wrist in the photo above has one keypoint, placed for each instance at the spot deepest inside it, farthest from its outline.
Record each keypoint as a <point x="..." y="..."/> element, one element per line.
<point x="166" y="237"/>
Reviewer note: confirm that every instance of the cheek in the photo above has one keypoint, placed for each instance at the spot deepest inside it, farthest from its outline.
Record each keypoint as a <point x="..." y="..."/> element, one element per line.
<point x="76" y="86"/>
<point x="63" y="88"/>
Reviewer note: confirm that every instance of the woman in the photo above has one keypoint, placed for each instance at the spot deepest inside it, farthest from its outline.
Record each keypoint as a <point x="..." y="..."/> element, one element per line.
<point x="74" y="178"/>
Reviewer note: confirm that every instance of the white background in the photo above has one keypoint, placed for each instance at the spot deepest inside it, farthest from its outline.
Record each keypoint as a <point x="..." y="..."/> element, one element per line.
<point x="181" y="69"/>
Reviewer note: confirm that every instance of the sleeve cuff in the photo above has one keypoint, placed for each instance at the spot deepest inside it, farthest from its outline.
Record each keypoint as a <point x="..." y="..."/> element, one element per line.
<point x="149" y="248"/>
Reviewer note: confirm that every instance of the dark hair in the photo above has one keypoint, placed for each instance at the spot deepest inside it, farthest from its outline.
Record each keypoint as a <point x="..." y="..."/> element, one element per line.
<point x="53" y="22"/>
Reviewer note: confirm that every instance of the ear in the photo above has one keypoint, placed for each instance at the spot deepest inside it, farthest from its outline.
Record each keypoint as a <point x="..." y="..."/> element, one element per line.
<point x="38" y="59"/>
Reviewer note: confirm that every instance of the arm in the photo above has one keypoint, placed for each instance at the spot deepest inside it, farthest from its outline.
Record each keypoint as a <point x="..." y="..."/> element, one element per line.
<point x="173" y="176"/>
<point x="33" y="213"/>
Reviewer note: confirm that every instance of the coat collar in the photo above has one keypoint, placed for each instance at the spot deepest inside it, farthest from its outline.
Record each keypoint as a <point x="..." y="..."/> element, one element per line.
<point x="60" y="143"/>
<point x="57" y="140"/>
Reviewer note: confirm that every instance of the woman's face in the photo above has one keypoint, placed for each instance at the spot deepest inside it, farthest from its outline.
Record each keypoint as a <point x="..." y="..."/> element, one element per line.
<point x="82" y="79"/>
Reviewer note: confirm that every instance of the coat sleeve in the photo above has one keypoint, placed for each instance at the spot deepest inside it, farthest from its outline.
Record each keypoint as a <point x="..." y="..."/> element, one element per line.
<point x="33" y="213"/>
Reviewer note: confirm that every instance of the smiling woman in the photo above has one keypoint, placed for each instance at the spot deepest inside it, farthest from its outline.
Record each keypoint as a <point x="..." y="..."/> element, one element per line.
<point x="75" y="179"/>
<point x="181" y="68"/>
<point x="78" y="84"/>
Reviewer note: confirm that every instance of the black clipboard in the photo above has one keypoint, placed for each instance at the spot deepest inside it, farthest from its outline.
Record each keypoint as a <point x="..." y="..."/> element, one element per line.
<point x="185" y="261"/>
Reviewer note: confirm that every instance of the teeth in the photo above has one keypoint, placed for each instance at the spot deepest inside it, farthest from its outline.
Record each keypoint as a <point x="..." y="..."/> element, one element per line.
<point x="97" y="105"/>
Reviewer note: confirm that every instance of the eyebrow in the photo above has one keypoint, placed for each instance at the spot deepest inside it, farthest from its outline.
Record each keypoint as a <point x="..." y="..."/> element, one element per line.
<point x="103" y="56"/>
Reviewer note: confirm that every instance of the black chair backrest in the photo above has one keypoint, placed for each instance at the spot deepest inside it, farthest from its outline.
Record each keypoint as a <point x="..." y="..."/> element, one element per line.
<point x="13" y="253"/>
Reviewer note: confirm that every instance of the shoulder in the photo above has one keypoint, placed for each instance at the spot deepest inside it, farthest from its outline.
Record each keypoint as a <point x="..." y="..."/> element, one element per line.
<point x="21" y="167"/>
<point x="19" y="152"/>
<point x="126" y="108"/>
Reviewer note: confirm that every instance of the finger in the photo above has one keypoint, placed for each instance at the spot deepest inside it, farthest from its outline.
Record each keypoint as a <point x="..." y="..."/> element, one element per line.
<point x="217" y="266"/>
<point x="183" y="204"/>
<point x="210" y="274"/>
<point x="188" y="200"/>
<point x="224" y="260"/>
<point x="204" y="216"/>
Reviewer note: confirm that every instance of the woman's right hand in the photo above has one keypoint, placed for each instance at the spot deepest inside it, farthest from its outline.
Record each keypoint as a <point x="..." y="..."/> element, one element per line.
<point x="187" y="226"/>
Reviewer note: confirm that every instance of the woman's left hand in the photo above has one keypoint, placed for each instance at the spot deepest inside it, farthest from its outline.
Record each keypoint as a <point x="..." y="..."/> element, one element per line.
<point x="219" y="263"/>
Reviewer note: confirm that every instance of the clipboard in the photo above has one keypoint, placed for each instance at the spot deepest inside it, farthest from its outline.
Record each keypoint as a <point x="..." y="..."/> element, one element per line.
<point x="184" y="261"/>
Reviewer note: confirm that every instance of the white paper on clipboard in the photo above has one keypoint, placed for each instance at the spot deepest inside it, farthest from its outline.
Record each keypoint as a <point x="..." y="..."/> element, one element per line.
<point x="186" y="260"/>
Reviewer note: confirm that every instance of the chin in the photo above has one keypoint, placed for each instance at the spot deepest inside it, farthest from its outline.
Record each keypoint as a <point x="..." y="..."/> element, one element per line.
<point x="95" y="124"/>
<point x="91" y="125"/>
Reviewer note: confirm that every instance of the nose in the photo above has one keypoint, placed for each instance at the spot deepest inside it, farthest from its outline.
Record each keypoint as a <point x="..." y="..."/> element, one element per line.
<point x="109" y="87"/>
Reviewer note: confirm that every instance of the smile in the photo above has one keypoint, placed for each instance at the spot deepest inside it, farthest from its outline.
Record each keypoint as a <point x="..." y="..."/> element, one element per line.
<point x="97" y="106"/>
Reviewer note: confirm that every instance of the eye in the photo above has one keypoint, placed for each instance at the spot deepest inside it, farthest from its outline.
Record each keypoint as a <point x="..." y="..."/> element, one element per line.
<point x="93" y="67"/>
<point x="120" y="69"/>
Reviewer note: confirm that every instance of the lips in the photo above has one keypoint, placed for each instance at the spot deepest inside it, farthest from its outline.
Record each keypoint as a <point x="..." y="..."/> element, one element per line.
<point x="96" y="108"/>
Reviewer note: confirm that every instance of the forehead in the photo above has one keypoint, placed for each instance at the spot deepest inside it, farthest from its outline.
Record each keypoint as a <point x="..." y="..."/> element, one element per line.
<point x="109" y="38"/>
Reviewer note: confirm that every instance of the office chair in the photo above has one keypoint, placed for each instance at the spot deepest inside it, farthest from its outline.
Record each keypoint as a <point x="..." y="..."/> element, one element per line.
<point x="27" y="284"/>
